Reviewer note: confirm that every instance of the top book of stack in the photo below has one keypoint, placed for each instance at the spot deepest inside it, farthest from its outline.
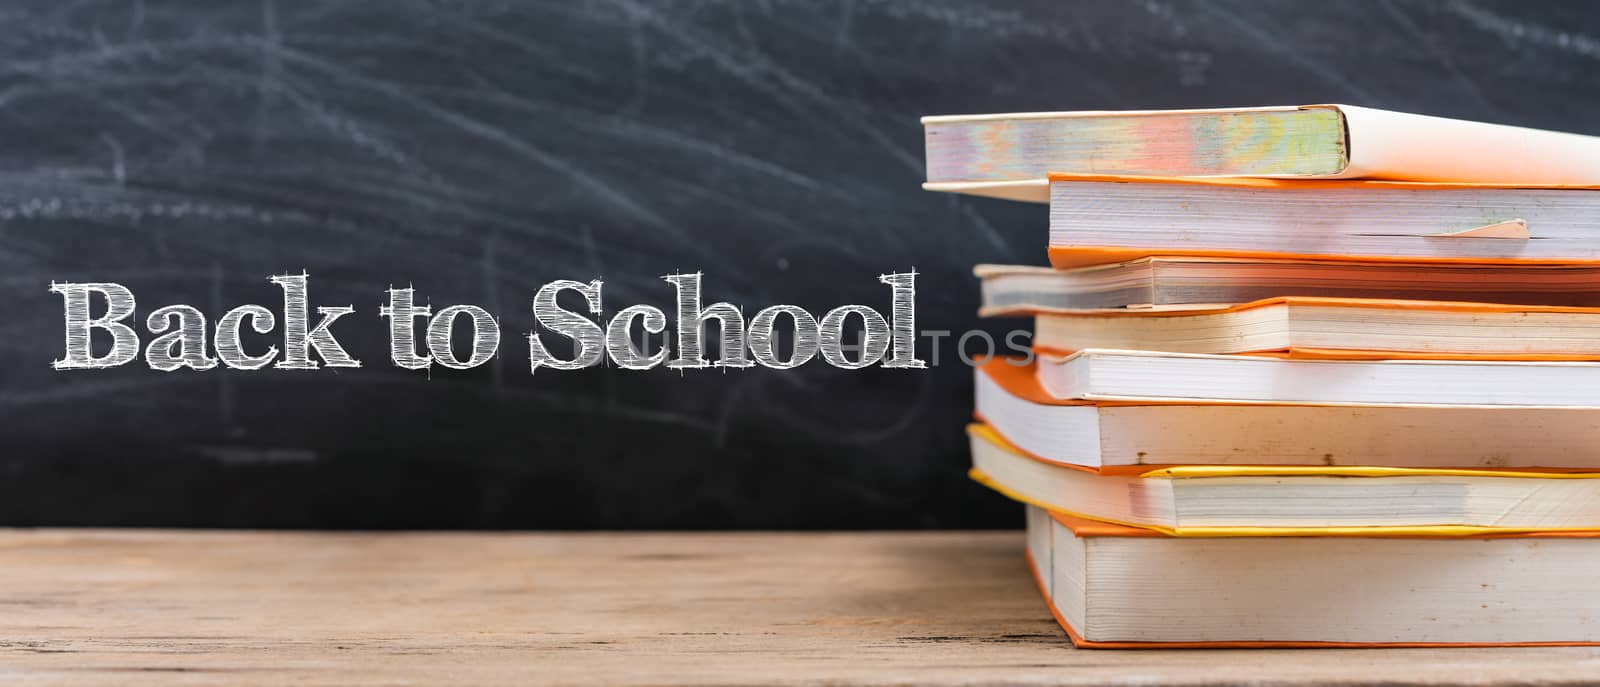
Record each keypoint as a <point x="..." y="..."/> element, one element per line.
<point x="1011" y="155"/>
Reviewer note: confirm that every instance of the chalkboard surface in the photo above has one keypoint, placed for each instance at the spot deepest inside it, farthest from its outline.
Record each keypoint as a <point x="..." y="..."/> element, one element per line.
<point x="477" y="150"/>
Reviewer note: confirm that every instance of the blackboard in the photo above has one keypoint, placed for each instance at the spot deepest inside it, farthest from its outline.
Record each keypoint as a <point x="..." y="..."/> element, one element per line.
<point x="477" y="150"/>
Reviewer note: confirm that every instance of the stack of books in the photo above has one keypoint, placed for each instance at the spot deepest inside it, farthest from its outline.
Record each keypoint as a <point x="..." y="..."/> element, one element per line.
<point x="1303" y="376"/>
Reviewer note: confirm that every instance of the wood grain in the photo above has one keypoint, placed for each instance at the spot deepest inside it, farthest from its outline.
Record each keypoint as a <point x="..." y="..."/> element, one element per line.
<point x="161" y="607"/>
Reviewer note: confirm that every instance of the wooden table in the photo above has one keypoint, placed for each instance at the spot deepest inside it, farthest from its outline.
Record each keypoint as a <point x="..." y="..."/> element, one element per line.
<point x="133" y="607"/>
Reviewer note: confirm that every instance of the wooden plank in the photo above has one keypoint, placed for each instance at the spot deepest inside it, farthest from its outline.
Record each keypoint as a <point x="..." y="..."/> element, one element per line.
<point x="158" y="607"/>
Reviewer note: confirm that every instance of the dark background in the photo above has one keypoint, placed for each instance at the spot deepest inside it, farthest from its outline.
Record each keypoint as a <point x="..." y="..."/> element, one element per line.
<point x="477" y="150"/>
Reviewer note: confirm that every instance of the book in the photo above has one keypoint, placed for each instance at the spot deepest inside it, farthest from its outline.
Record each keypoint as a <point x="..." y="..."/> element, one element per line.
<point x="1111" y="586"/>
<point x="1238" y="501"/>
<point x="1154" y="377"/>
<point x="1178" y="282"/>
<point x="1099" y="219"/>
<point x="1336" y="328"/>
<point x="1009" y="155"/>
<point x="1112" y="437"/>
<point x="1301" y="376"/>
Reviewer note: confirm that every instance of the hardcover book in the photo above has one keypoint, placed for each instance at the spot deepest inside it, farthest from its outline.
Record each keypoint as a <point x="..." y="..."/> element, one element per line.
<point x="1119" y="587"/>
<point x="1198" y="282"/>
<point x="1009" y="155"/>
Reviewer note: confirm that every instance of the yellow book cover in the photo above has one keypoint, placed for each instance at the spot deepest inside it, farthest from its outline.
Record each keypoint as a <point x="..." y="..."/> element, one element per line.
<point x="1276" y="501"/>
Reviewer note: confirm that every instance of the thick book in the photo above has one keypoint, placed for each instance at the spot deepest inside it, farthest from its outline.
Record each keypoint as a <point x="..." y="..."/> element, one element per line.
<point x="1197" y="282"/>
<point x="1155" y="377"/>
<point x="1115" y="587"/>
<point x="1098" y="219"/>
<point x="1336" y="328"/>
<point x="1243" y="501"/>
<point x="1009" y="155"/>
<point x="1120" y="437"/>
